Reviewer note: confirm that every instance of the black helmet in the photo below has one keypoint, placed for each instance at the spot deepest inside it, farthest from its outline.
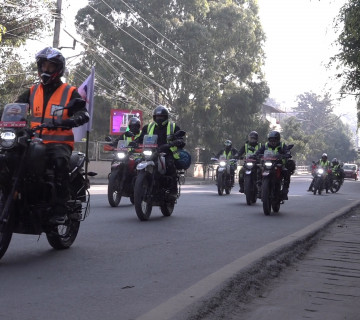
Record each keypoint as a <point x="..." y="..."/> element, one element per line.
<point x="54" y="56"/>
<point x="253" y="137"/>
<point x="335" y="161"/>
<point x="227" y="144"/>
<point x="274" y="138"/>
<point x="161" y="115"/>
<point x="134" y="125"/>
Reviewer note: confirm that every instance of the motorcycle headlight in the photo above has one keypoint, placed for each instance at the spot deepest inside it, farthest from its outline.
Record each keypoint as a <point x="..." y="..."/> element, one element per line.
<point x="321" y="171"/>
<point x="8" y="139"/>
<point x="147" y="153"/>
<point x="120" y="155"/>
<point x="222" y="163"/>
<point x="268" y="164"/>
<point x="249" y="165"/>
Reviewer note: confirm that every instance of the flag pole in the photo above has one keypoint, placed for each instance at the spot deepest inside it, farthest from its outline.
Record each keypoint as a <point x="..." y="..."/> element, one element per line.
<point x="87" y="154"/>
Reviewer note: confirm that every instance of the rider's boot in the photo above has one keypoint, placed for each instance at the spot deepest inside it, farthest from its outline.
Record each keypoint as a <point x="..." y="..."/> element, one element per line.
<point x="241" y="184"/>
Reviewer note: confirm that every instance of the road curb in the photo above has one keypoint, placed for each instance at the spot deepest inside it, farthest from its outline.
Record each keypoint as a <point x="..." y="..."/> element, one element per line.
<point x="204" y="290"/>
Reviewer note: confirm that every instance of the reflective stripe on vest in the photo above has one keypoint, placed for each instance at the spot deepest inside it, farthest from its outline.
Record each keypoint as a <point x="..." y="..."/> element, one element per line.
<point x="169" y="130"/>
<point x="227" y="156"/>
<point x="59" y="99"/>
<point x="277" y="148"/>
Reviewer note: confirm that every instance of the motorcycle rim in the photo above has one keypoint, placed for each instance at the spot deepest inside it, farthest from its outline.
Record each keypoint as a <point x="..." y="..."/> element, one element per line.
<point x="143" y="208"/>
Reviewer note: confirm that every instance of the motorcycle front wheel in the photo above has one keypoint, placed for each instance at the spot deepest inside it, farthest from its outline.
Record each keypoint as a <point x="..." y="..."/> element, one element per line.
<point x="114" y="190"/>
<point x="167" y="208"/>
<point x="143" y="206"/>
<point x="6" y="230"/>
<point x="265" y="196"/>
<point x="249" y="190"/>
<point x="335" y="186"/>
<point x="64" y="235"/>
<point x="220" y="184"/>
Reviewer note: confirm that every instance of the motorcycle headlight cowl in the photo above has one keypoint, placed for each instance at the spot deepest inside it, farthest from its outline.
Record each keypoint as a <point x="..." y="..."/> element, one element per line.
<point x="7" y="139"/>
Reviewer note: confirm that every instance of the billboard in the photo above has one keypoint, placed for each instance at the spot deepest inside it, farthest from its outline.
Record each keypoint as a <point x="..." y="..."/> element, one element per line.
<point x="119" y="120"/>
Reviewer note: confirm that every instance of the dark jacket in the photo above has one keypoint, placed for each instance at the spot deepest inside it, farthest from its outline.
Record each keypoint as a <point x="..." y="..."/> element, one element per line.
<point x="234" y="153"/>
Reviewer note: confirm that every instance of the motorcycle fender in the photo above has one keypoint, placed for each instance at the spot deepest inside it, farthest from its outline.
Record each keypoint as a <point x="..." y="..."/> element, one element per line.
<point x="265" y="173"/>
<point x="221" y="169"/>
<point x="144" y="164"/>
<point x="115" y="165"/>
<point x="248" y="172"/>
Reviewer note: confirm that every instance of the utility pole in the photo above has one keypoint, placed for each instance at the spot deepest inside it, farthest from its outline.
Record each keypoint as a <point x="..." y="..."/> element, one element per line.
<point x="57" y="24"/>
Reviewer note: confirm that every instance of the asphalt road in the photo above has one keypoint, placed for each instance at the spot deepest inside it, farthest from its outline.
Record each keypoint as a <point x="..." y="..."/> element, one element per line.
<point x="121" y="268"/>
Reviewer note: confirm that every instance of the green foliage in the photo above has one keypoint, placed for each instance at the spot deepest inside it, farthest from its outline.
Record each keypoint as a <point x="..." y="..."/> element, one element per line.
<point x="349" y="40"/>
<point x="203" y="60"/>
<point x="316" y="130"/>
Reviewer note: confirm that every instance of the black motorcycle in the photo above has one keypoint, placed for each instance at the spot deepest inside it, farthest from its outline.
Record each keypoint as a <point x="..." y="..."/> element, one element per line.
<point x="123" y="172"/>
<point x="224" y="180"/>
<point x="152" y="184"/>
<point x="27" y="186"/>
<point x="272" y="180"/>
<point x="336" y="180"/>
<point x="320" y="180"/>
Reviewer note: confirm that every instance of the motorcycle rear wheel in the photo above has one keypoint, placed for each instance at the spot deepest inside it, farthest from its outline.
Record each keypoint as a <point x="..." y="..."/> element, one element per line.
<point x="220" y="184"/>
<point x="63" y="236"/>
<point x="6" y="230"/>
<point x="143" y="208"/>
<point x="265" y="197"/>
<point x="114" y="190"/>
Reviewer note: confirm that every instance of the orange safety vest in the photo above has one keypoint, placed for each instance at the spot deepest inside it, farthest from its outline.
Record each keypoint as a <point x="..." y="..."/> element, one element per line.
<point x="58" y="99"/>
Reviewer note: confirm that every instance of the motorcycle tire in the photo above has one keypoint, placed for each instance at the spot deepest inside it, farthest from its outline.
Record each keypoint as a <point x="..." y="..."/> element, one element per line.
<point x="227" y="190"/>
<point x="265" y="196"/>
<point x="167" y="208"/>
<point x="335" y="186"/>
<point x="220" y="184"/>
<point x="63" y="236"/>
<point x="249" y="191"/>
<point x="6" y="231"/>
<point x="114" y="190"/>
<point x="142" y="185"/>
<point x="276" y="206"/>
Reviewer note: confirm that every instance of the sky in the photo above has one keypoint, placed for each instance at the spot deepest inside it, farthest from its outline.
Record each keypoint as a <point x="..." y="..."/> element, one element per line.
<point x="300" y="41"/>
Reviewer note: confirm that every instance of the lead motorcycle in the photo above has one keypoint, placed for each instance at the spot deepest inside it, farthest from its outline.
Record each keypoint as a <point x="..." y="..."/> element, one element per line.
<point x="152" y="184"/>
<point x="320" y="180"/>
<point x="273" y="180"/>
<point x="223" y="174"/>
<point x="27" y="186"/>
<point x="123" y="172"/>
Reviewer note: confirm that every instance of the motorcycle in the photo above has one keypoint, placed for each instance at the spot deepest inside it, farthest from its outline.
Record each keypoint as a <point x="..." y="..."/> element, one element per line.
<point x="152" y="184"/>
<point x="319" y="180"/>
<point x="250" y="179"/>
<point x="27" y="186"/>
<point x="223" y="175"/>
<point x="273" y="180"/>
<point x="336" y="181"/>
<point x="123" y="172"/>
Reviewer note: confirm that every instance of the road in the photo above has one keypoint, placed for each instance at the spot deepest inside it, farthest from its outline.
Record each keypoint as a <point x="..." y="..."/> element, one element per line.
<point x="121" y="268"/>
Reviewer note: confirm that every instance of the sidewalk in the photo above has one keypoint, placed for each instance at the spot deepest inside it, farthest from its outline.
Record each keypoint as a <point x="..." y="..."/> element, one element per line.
<point x="325" y="284"/>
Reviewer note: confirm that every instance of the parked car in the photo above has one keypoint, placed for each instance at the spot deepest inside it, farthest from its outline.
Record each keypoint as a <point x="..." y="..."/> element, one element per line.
<point x="351" y="170"/>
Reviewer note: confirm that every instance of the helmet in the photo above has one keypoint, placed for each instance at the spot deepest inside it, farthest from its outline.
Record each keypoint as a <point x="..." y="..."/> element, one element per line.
<point x="335" y="161"/>
<point x="253" y="137"/>
<point x="184" y="160"/>
<point x="134" y="125"/>
<point x="54" y="56"/>
<point x="274" y="138"/>
<point x="161" y="115"/>
<point x="324" y="156"/>
<point x="227" y="144"/>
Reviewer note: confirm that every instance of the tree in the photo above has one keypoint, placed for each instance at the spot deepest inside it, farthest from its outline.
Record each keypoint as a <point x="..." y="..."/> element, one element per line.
<point x="349" y="40"/>
<point x="202" y="58"/>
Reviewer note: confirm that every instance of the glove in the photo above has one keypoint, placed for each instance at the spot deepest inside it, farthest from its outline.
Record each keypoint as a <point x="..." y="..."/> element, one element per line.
<point x="177" y="143"/>
<point x="66" y="123"/>
<point x="128" y="134"/>
<point x="164" y="147"/>
<point x="133" y="144"/>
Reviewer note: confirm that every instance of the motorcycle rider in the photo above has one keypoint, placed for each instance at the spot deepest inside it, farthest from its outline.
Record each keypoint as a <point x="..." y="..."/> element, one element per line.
<point x="164" y="129"/>
<point x="274" y="144"/>
<point x="337" y="170"/>
<point x="44" y="99"/>
<point x="132" y="131"/>
<point x="325" y="164"/>
<point x="250" y="147"/>
<point x="230" y="153"/>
